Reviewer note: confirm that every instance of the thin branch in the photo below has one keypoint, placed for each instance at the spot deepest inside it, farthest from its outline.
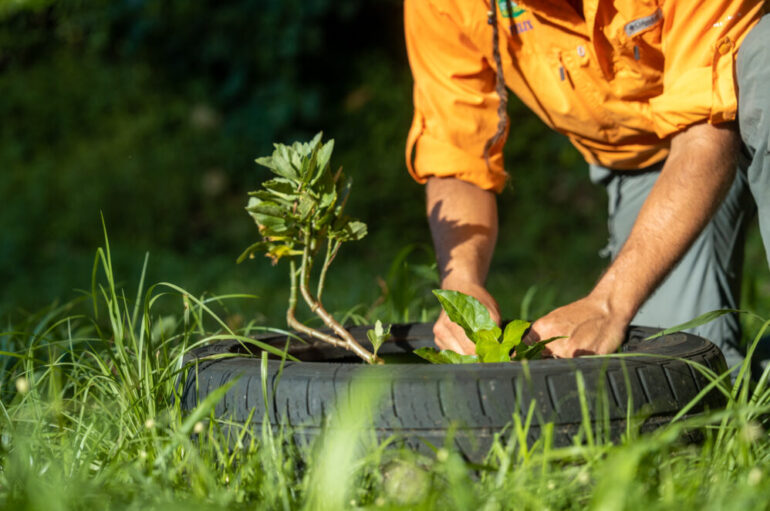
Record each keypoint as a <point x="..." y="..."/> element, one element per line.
<point x="316" y="308"/>
<point x="294" y="323"/>
<point x="331" y="253"/>
<point x="292" y="293"/>
<point x="316" y="334"/>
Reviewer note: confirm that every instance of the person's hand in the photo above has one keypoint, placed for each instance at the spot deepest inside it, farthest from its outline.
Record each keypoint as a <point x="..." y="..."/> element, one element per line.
<point x="451" y="336"/>
<point x="589" y="325"/>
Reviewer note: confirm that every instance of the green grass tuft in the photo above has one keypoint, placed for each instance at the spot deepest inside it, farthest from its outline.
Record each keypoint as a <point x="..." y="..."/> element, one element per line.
<point x="89" y="420"/>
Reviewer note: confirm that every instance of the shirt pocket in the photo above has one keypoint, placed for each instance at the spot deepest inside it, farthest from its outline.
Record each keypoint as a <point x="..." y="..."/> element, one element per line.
<point x="637" y="56"/>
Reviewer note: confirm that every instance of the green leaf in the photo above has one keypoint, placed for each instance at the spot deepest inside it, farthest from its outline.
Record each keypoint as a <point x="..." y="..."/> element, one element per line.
<point x="342" y="189"/>
<point x="296" y="156"/>
<point x="529" y="352"/>
<point x="467" y="312"/>
<point x="276" y="252"/>
<point x="290" y="160"/>
<point x="278" y="163"/>
<point x="352" y="230"/>
<point x="514" y="332"/>
<point x="270" y="225"/>
<point x="320" y="223"/>
<point x="378" y="335"/>
<point x="309" y="167"/>
<point x="700" y="320"/>
<point x="266" y="196"/>
<point x="324" y="155"/>
<point x="265" y="161"/>
<point x="316" y="139"/>
<point x="435" y="356"/>
<point x="255" y="247"/>
<point x="263" y="207"/>
<point x="489" y="349"/>
<point x="279" y="233"/>
<point x="306" y="206"/>
<point x="533" y="351"/>
<point x="328" y="198"/>
<point x="281" y="188"/>
<point x="498" y="355"/>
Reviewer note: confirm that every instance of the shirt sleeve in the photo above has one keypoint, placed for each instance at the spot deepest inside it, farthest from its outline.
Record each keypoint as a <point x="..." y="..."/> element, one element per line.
<point x="700" y="40"/>
<point x="455" y="103"/>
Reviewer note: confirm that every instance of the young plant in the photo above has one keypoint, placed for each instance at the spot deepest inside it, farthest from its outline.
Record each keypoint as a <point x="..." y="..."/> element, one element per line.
<point x="299" y="215"/>
<point x="475" y="320"/>
<point x="378" y="335"/>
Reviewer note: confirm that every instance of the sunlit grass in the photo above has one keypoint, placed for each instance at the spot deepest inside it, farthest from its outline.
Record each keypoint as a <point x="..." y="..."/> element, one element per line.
<point x="89" y="419"/>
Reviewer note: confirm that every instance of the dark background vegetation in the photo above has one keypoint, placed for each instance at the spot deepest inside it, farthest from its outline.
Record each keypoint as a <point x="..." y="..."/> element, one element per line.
<point x="152" y="113"/>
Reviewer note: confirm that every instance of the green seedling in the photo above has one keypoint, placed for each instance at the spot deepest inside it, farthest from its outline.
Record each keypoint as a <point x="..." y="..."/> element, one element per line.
<point x="378" y="335"/>
<point x="478" y="325"/>
<point x="299" y="215"/>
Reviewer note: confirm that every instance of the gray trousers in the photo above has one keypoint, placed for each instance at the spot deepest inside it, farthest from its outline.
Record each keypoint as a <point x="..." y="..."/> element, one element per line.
<point x="708" y="277"/>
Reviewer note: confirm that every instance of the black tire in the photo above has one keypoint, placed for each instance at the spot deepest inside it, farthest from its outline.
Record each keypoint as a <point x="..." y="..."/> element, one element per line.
<point x="475" y="400"/>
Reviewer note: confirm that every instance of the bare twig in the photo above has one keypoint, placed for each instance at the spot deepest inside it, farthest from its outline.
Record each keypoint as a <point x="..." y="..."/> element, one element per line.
<point x="349" y="343"/>
<point x="331" y="253"/>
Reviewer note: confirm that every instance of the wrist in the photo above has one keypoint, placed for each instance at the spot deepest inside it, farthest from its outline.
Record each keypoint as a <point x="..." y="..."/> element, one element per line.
<point x="461" y="282"/>
<point x="616" y="298"/>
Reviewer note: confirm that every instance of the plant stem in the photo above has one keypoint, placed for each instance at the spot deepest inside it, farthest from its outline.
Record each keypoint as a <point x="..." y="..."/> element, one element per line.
<point x="290" y="319"/>
<point x="294" y="323"/>
<point x="349" y="343"/>
<point x="331" y="253"/>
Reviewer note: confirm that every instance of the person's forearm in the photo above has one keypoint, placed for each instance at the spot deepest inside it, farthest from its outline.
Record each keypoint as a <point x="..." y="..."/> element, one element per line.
<point x="463" y="223"/>
<point x="695" y="179"/>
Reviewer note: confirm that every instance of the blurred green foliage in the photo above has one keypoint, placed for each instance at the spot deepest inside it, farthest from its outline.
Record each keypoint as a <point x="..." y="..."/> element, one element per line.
<point x="152" y="112"/>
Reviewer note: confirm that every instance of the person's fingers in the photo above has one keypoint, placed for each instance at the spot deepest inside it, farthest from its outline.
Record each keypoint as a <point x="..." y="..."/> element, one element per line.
<point x="542" y="330"/>
<point x="531" y="337"/>
<point x="449" y="336"/>
<point x="446" y="338"/>
<point x="440" y="335"/>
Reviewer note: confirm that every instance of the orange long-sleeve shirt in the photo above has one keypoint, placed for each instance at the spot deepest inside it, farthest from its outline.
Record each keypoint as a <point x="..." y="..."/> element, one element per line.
<point x="618" y="79"/>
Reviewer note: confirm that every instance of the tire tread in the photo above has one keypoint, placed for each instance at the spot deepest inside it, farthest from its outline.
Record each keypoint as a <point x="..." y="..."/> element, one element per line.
<point x="425" y="401"/>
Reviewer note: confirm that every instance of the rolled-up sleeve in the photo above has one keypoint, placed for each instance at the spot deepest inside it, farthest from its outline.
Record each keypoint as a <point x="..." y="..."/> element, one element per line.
<point x="455" y="103"/>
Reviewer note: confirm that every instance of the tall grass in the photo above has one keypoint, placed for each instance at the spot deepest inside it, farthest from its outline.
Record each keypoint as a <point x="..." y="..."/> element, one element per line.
<point x="89" y="420"/>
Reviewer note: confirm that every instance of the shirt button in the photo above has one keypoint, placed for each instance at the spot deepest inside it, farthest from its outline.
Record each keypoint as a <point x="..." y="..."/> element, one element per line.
<point x="725" y="46"/>
<point x="582" y="56"/>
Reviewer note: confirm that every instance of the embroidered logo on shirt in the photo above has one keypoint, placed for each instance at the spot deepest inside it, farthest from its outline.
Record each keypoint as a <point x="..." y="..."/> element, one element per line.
<point x="523" y="26"/>
<point x="517" y="11"/>
<point x="638" y="25"/>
